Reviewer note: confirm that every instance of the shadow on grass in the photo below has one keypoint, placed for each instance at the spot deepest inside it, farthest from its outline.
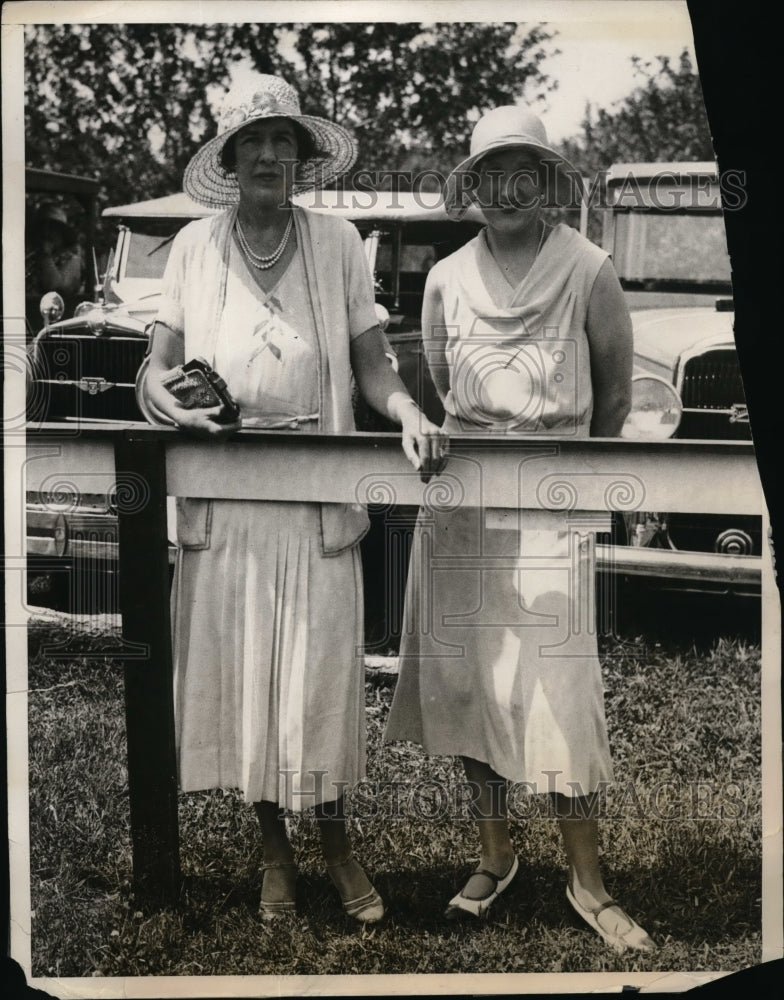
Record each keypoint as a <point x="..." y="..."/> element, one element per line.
<point x="681" y="901"/>
<point x="418" y="897"/>
<point x="205" y="896"/>
<point x="704" y="903"/>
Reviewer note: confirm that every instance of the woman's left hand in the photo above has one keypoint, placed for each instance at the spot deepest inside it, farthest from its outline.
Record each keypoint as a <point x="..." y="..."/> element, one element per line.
<point x="425" y="444"/>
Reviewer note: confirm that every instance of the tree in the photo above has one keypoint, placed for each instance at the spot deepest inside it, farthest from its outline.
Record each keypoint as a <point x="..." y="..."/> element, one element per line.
<point x="130" y="103"/>
<point x="412" y="92"/>
<point x="664" y="119"/>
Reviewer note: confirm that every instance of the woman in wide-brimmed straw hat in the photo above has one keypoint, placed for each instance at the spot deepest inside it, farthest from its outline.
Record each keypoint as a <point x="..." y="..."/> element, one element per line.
<point x="527" y="332"/>
<point x="269" y="685"/>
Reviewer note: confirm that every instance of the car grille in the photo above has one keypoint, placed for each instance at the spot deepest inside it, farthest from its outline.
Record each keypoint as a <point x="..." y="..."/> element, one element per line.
<point x="62" y="363"/>
<point x="115" y="359"/>
<point x="712" y="381"/>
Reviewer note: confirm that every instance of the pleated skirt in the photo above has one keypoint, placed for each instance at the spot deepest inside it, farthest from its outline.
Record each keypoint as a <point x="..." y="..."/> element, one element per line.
<point x="268" y="666"/>
<point x="498" y="659"/>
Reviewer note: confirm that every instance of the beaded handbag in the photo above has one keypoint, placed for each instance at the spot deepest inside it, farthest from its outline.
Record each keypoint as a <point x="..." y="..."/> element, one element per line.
<point x="196" y="385"/>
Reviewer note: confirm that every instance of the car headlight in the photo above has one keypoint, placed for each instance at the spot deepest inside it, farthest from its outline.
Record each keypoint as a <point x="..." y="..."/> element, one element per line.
<point x="656" y="409"/>
<point x="52" y="308"/>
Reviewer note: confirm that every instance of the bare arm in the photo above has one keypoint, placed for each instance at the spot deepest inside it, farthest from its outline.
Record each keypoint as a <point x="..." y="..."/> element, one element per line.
<point x="609" y="330"/>
<point x="424" y="444"/>
<point x="434" y="335"/>
<point x="167" y="352"/>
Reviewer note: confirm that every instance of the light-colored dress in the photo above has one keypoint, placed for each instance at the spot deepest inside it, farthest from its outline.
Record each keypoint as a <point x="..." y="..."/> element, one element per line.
<point x="498" y="657"/>
<point x="268" y="668"/>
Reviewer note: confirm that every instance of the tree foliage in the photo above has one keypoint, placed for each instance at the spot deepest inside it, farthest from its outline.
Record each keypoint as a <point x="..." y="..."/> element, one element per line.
<point x="412" y="92"/>
<point x="131" y="103"/>
<point x="663" y="119"/>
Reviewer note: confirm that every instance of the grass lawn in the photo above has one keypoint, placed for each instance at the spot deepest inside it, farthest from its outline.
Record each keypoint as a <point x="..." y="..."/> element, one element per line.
<point x="680" y="839"/>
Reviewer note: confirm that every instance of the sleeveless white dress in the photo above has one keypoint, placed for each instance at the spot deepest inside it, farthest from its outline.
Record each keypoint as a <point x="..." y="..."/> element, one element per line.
<point x="498" y="659"/>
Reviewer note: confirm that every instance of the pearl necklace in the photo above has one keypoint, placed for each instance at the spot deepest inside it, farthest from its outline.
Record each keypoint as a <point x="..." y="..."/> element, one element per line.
<point x="264" y="263"/>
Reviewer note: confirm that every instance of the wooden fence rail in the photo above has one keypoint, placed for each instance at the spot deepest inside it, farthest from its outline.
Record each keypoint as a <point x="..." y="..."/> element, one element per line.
<point x="586" y="477"/>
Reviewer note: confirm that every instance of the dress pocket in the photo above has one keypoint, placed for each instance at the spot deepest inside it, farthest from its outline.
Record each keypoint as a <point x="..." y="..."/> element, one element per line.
<point x="342" y="526"/>
<point x="194" y="520"/>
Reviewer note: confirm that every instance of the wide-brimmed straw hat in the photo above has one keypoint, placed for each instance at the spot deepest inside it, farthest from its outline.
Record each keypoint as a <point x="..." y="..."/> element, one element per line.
<point x="208" y="182"/>
<point x="512" y="126"/>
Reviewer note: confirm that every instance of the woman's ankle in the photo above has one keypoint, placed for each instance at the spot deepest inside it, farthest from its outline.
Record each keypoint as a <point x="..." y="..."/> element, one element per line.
<point x="335" y="841"/>
<point x="336" y="853"/>
<point x="588" y="888"/>
<point x="496" y="851"/>
<point x="497" y="861"/>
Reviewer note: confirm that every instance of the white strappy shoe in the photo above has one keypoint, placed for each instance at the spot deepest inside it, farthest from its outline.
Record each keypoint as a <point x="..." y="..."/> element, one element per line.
<point x="633" y="937"/>
<point x="461" y="905"/>
<point x="367" y="909"/>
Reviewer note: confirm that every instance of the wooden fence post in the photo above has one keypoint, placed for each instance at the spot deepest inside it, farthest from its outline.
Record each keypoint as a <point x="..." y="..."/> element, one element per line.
<point x="149" y="697"/>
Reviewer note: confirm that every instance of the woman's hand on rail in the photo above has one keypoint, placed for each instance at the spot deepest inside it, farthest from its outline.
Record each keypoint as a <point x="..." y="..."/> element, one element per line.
<point x="426" y="446"/>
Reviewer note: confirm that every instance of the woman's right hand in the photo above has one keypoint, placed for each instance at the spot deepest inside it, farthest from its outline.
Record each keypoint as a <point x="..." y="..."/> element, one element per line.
<point x="425" y="444"/>
<point x="205" y="423"/>
<point x="166" y="352"/>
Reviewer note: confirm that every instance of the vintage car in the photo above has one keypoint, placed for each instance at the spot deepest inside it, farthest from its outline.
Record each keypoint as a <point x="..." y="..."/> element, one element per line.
<point x="663" y="225"/>
<point x="76" y="196"/>
<point x="89" y="367"/>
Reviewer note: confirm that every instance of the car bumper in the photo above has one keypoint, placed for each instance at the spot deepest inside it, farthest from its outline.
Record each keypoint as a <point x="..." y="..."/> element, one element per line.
<point x="673" y="568"/>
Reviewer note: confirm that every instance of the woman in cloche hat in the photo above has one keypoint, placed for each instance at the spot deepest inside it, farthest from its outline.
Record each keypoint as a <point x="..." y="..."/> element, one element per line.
<point x="267" y="611"/>
<point x="526" y="332"/>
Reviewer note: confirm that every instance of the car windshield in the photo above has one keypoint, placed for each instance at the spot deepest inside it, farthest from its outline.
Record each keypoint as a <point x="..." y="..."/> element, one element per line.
<point x="656" y="250"/>
<point x="147" y="254"/>
<point x="405" y="255"/>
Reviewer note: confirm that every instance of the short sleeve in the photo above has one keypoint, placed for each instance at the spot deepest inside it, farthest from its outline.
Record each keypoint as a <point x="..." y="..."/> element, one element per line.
<point x="360" y="296"/>
<point x="171" y="309"/>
